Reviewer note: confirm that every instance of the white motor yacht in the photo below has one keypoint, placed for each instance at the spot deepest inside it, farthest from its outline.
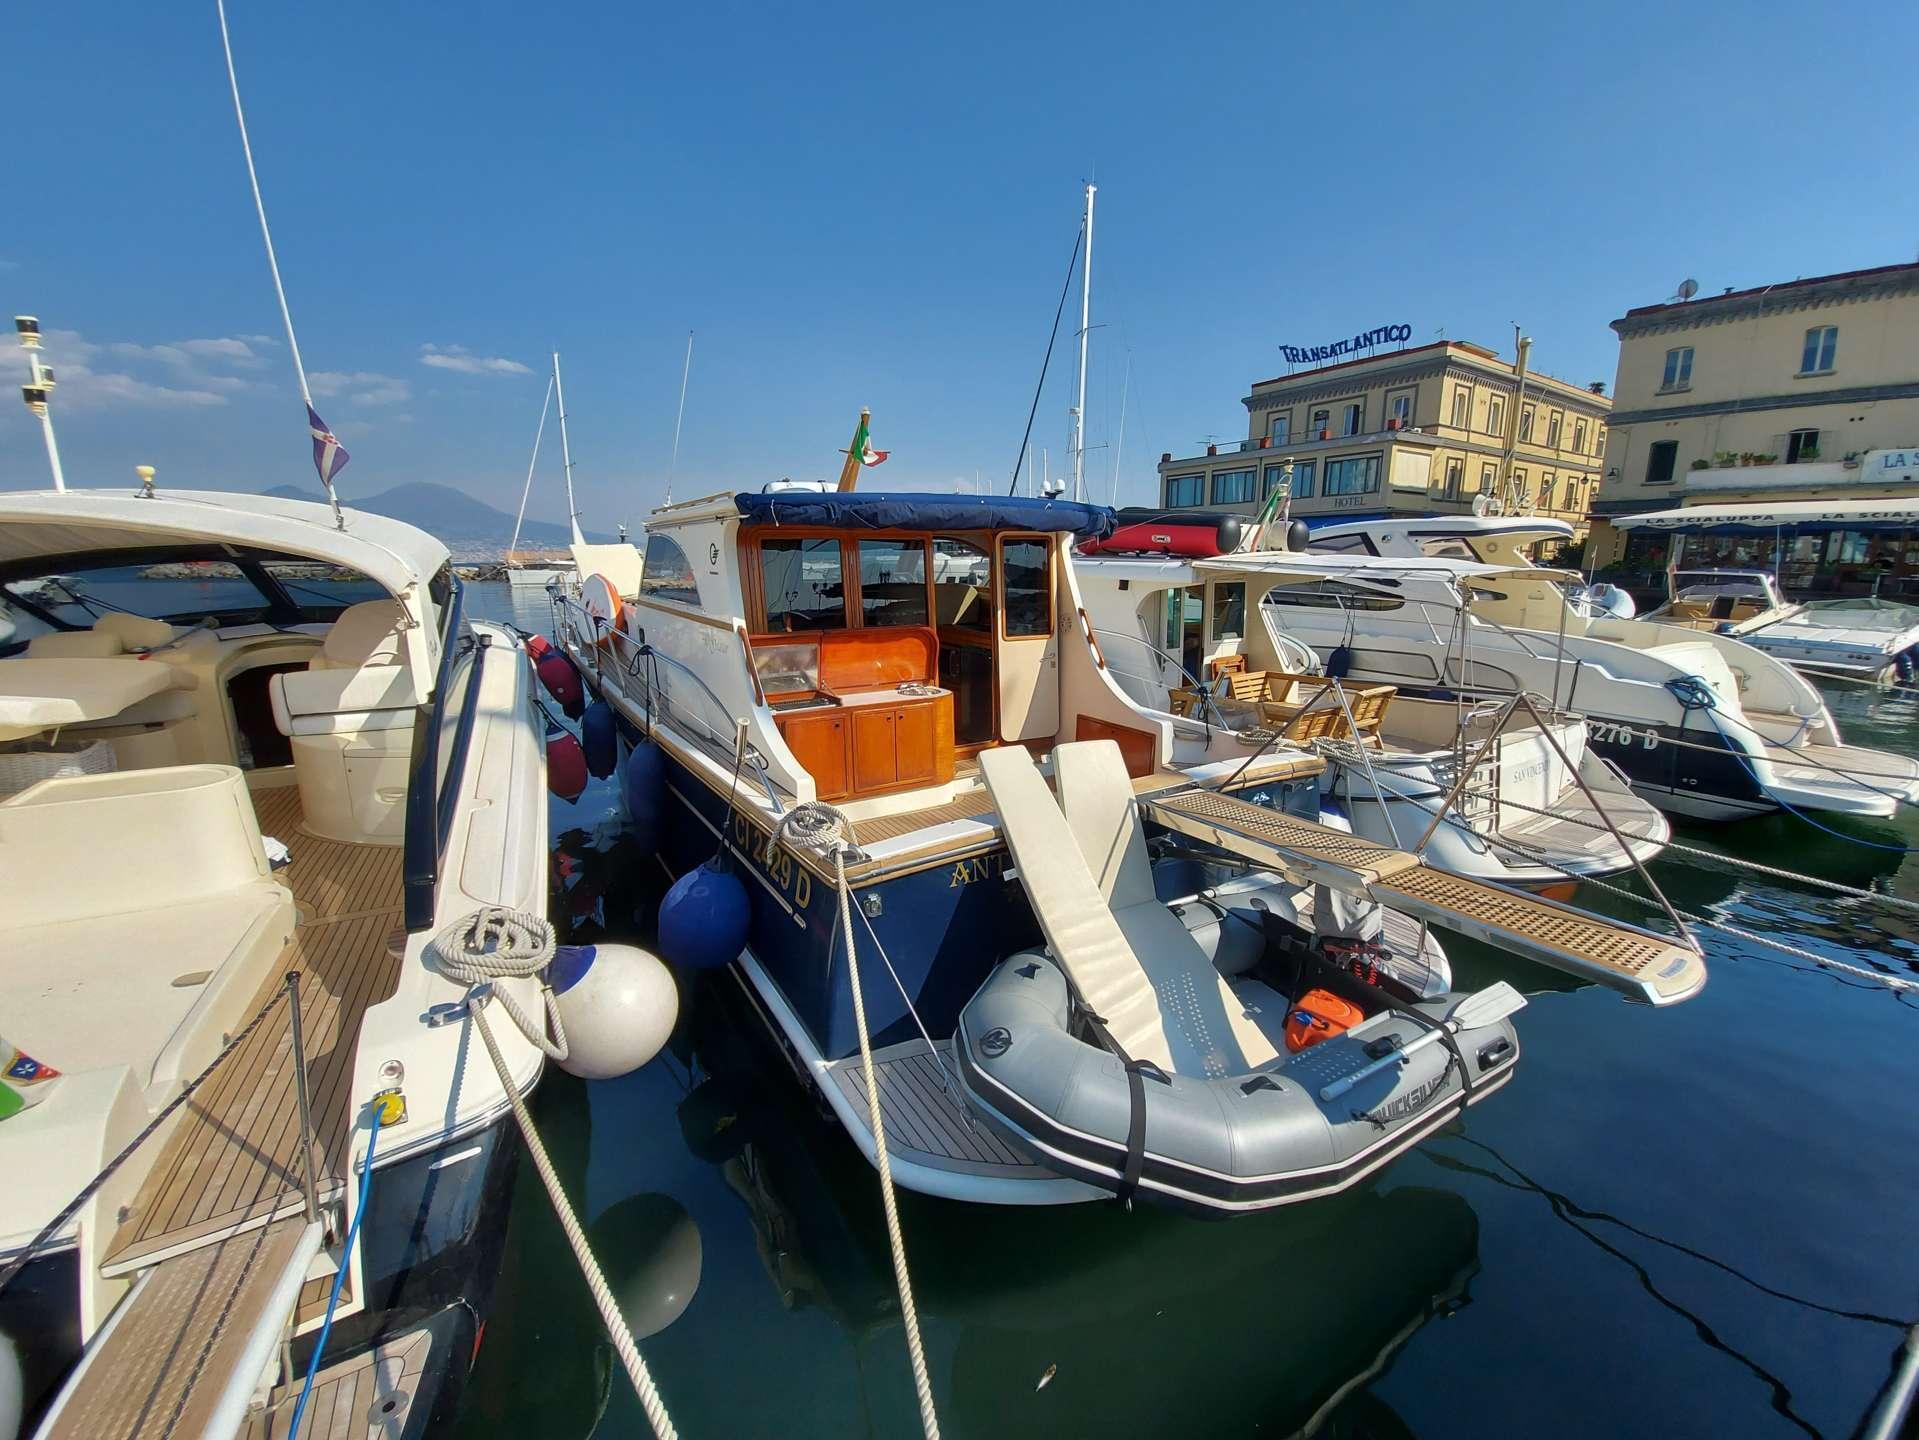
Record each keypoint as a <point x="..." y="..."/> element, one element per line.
<point x="249" y="757"/>
<point x="1705" y="725"/>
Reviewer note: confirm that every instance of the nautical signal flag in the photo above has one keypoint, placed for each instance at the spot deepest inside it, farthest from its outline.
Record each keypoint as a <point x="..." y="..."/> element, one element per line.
<point x="329" y="455"/>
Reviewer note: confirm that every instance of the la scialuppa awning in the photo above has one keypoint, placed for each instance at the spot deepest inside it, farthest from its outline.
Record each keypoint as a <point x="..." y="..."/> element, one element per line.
<point x="907" y="510"/>
<point x="1758" y="518"/>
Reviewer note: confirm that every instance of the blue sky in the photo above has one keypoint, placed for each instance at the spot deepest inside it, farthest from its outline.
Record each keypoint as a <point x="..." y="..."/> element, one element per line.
<point x="875" y="207"/>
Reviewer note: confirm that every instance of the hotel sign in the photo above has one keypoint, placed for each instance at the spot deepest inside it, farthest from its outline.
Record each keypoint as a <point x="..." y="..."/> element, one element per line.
<point x="1365" y="340"/>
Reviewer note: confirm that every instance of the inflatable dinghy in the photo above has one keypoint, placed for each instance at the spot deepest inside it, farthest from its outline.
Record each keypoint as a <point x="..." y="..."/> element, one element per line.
<point x="1124" y="1058"/>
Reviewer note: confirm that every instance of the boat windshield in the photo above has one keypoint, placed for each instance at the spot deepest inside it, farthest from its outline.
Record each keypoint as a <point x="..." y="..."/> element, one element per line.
<point x="186" y="590"/>
<point x="1864" y="612"/>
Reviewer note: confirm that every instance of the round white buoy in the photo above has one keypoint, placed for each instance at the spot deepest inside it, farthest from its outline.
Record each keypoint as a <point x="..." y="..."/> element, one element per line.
<point x="13" y="1388"/>
<point x="600" y="598"/>
<point x="618" y="1003"/>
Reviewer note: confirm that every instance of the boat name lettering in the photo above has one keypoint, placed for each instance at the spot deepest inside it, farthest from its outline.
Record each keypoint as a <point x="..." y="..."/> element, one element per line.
<point x="1610" y="732"/>
<point x="788" y="878"/>
<point x="1413" y="1101"/>
<point x="1364" y="340"/>
<point x="983" y="867"/>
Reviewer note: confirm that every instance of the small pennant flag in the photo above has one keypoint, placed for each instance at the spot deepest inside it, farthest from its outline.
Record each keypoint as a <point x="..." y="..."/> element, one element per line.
<point x="329" y="456"/>
<point x="863" y="449"/>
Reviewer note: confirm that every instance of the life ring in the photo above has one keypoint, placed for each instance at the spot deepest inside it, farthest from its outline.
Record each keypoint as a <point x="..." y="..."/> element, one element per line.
<point x="600" y="598"/>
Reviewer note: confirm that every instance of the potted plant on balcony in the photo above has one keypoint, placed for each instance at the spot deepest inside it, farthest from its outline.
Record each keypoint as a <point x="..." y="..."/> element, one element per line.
<point x="1699" y="464"/>
<point x="1724" y="459"/>
<point x="1808" y="454"/>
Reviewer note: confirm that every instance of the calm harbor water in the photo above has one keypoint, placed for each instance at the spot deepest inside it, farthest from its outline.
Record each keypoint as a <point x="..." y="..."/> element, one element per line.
<point x="1688" y="1222"/>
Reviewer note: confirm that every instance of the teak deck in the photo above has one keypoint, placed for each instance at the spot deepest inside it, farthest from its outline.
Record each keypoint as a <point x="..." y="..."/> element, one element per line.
<point x="233" y="1162"/>
<point x="366" y="1398"/>
<point x="925" y="1120"/>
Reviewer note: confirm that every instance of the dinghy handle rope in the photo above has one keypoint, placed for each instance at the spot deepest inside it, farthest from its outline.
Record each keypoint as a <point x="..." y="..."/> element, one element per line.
<point x="616" y="1326"/>
<point x="339" y="1276"/>
<point x="494" y="943"/>
<point x="822" y="828"/>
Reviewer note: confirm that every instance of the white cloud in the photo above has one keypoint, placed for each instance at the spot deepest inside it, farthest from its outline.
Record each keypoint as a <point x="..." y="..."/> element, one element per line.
<point x="71" y="357"/>
<point x="465" y="362"/>
<point x="360" y="387"/>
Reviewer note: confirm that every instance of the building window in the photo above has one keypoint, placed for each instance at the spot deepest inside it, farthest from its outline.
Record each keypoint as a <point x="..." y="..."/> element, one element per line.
<point x="1322" y="425"/>
<point x="1234" y="487"/>
<point x="1678" y="369"/>
<point x="1275" y="477"/>
<point x="1552" y="430"/>
<point x="1455" y="479"/>
<point x="1519" y="484"/>
<point x="1303" y="473"/>
<point x="1400" y="407"/>
<point x="800" y="580"/>
<point x="1802" y="445"/>
<point x="1462" y="408"/>
<point x="1525" y="422"/>
<point x="1599" y="443"/>
<point x="1495" y="415"/>
<point x="1547" y="482"/>
<point x="1822" y="345"/>
<point x="1661" y="460"/>
<point x="1349" y="416"/>
<point x="1354" y="475"/>
<point x="667" y="574"/>
<point x="1280" y="427"/>
<point x="1486" y="478"/>
<point x="1579" y="437"/>
<point x="1185" y="490"/>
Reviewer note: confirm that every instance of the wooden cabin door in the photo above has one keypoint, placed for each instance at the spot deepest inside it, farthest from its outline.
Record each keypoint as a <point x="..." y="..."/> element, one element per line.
<point x="1028" y="640"/>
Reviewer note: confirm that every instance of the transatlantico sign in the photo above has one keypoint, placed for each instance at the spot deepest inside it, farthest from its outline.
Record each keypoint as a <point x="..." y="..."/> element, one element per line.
<point x="1365" y="340"/>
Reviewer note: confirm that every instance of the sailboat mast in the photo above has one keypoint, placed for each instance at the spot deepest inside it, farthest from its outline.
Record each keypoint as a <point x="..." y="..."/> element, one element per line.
<point x="527" y="489"/>
<point x="685" y="371"/>
<point x="1085" y="323"/>
<point x="566" y="454"/>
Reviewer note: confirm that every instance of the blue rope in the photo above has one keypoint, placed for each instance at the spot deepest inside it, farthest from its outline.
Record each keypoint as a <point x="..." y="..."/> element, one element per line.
<point x="339" y="1279"/>
<point x="1792" y="809"/>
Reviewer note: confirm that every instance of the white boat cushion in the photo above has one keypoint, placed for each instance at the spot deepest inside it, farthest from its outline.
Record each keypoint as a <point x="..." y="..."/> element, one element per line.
<point x="75" y="645"/>
<point x="370" y="633"/>
<point x="331" y="702"/>
<point x="40" y="694"/>
<point x="1134" y="966"/>
<point x="134" y="632"/>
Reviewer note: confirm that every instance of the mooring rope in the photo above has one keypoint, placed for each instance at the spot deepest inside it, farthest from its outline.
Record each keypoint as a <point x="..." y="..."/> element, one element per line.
<point x="616" y="1326"/>
<point x="820" y="827"/>
<point x="494" y="943"/>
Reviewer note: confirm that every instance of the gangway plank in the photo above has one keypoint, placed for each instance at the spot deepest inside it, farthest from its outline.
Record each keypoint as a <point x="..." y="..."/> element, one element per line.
<point x="1657" y="969"/>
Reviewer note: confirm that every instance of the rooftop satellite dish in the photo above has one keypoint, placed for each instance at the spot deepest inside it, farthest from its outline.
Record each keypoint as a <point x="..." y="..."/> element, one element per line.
<point x="1688" y="288"/>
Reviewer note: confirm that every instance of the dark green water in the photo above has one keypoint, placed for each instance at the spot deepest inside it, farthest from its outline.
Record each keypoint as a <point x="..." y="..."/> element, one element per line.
<point x="1686" y="1222"/>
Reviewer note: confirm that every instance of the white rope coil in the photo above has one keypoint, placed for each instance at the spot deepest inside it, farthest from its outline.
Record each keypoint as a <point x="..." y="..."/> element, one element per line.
<point x="494" y="943"/>
<point x="616" y="1326"/>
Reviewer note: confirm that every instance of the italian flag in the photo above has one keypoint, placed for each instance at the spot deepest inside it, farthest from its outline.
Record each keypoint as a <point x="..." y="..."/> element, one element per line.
<point x="862" y="449"/>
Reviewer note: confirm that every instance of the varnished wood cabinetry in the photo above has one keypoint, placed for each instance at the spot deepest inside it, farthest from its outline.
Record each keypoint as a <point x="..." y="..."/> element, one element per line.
<point x="873" y="743"/>
<point x="818" y="742"/>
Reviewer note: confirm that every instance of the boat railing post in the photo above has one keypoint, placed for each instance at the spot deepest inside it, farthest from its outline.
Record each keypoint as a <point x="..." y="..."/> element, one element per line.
<point x="308" y="1181"/>
<point x="1466" y="771"/>
<point x="1365" y="758"/>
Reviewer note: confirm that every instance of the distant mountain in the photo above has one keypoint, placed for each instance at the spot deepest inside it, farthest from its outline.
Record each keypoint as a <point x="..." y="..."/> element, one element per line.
<point x="470" y="528"/>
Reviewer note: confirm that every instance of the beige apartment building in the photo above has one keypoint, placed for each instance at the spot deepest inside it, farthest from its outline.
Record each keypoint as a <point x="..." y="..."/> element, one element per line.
<point x="1803" y="390"/>
<point x="1417" y="431"/>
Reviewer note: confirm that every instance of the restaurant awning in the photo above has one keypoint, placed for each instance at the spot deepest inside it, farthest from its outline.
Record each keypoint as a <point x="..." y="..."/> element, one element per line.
<point x="1756" y="518"/>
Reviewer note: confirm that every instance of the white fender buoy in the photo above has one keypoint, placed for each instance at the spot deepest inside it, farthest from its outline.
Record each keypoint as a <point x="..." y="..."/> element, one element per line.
<point x="618" y="1003"/>
<point x="654" y="1259"/>
<point x="13" y="1389"/>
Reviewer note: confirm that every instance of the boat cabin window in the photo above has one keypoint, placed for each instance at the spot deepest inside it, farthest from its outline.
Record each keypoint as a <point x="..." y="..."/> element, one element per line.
<point x="323" y="588"/>
<point x="1450" y="547"/>
<point x="1229" y="611"/>
<point x="802" y="584"/>
<point x="1329" y="595"/>
<point x="178" y="590"/>
<point x="892" y="582"/>
<point x="1028" y="585"/>
<point x="1342" y="545"/>
<point x="666" y="573"/>
<point x="962" y="585"/>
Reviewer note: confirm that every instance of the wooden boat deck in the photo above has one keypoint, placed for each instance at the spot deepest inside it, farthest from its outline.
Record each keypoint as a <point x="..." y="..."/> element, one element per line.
<point x="178" y="1339"/>
<point x="365" y="1398"/>
<point x="926" y="1121"/>
<point x="233" y="1160"/>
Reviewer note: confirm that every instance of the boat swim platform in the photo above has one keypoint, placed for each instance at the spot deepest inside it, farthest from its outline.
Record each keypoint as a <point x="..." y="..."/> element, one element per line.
<point x="1645" y="966"/>
<point x="232" y="1161"/>
<point x="367" y="1397"/>
<point x="178" y="1340"/>
<point x="927" y="1122"/>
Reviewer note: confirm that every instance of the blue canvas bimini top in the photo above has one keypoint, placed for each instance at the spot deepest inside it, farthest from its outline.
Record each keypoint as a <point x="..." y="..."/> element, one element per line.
<point x="906" y="510"/>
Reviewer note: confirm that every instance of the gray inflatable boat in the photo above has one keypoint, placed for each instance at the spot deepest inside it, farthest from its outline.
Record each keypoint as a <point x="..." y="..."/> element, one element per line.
<point x="1126" y="1058"/>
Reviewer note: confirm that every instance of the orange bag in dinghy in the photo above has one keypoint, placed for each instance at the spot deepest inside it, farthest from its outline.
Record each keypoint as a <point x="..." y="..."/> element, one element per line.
<point x="1318" y="1016"/>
